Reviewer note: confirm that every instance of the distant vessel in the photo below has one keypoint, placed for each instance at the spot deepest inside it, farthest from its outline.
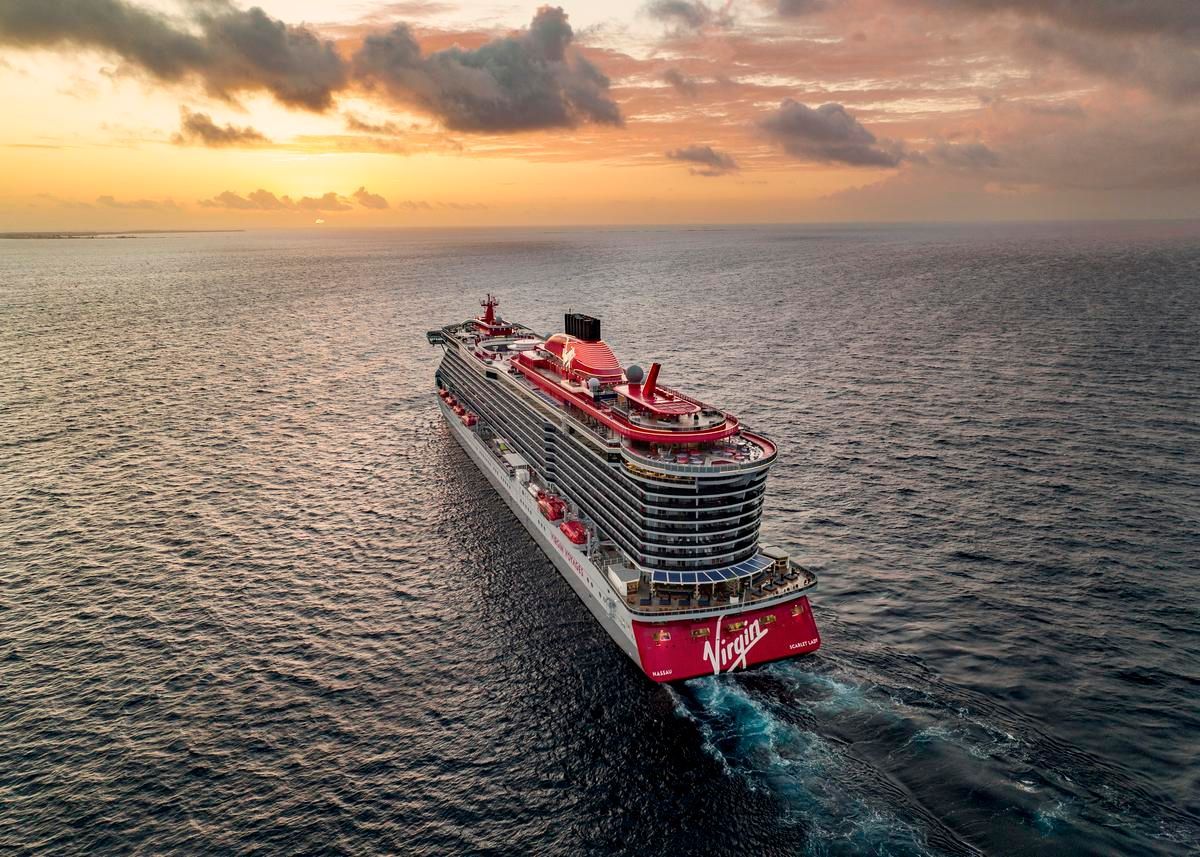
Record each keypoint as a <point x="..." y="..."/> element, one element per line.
<point x="647" y="501"/>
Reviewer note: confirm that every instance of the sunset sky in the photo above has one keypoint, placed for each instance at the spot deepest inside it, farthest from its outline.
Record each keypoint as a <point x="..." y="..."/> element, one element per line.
<point x="209" y="114"/>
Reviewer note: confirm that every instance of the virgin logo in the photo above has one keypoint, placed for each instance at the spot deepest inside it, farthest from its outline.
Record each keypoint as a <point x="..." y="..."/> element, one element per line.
<point x="730" y="654"/>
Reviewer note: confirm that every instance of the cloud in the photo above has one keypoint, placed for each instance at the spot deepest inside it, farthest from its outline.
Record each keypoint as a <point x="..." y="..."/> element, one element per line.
<point x="963" y="156"/>
<point x="262" y="200"/>
<point x="685" y="18"/>
<point x="144" y="204"/>
<point x="827" y="134"/>
<point x="797" y="8"/>
<point x="1154" y="44"/>
<point x="712" y="162"/>
<point x="1120" y="17"/>
<point x="199" y="128"/>
<point x="356" y="123"/>
<point x="689" y="86"/>
<point x="369" y="200"/>
<point x="327" y="202"/>
<point x="525" y="81"/>
<point x="684" y="14"/>
<point x="229" y="49"/>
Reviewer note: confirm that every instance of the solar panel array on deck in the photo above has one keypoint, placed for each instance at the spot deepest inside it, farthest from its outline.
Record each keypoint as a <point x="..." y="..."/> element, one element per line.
<point x="755" y="564"/>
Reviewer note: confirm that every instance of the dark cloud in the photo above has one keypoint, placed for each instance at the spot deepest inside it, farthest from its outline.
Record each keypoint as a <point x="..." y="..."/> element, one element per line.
<point x="1119" y="17"/>
<point x="231" y="50"/>
<point x="711" y="161"/>
<point x="262" y="200"/>
<point x="827" y="134"/>
<point x="369" y="200"/>
<point x="1153" y="44"/>
<point x="519" y="82"/>
<point x="199" y="128"/>
<point x="1164" y="65"/>
<point x="689" y="86"/>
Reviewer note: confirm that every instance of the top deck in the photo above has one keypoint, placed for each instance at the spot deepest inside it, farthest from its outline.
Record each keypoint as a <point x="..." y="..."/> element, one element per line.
<point x="660" y="427"/>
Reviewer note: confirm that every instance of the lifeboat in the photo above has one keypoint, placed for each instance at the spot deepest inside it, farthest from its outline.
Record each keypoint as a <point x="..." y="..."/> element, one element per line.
<point x="469" y="419"/>
<point x="575" y="531"/>
<point x="552" y="508"/>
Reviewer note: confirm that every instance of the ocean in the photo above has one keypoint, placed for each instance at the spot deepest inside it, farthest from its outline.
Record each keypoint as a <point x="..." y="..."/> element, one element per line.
<point x="255" y="599"/>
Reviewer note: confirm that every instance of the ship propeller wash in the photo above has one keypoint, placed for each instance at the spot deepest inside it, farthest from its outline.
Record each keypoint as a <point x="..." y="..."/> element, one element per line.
<point x="648" y="501"/>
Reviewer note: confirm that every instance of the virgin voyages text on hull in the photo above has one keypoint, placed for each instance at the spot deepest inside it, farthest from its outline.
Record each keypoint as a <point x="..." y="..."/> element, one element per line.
<point x="647" y="500"/>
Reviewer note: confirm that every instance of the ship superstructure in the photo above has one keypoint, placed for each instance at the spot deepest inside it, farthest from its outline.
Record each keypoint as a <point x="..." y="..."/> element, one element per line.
<point x="648" y="500"/>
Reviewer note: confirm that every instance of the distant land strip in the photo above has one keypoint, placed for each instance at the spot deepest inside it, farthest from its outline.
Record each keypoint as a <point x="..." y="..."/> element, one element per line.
<point x="124" y="233"/>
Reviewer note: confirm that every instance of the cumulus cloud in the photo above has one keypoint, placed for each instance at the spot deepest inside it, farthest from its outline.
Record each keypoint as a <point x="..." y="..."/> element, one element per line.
<point x="524" y="81"/>
<point x="689" y="86"/>
<point x="711" y="162"/>
<point x="200" y="128"/>
<point x="262" y="200"/>
<point x="828" y="134"/>
<point x="231" y="50"/>
<point x="369" y="200"/>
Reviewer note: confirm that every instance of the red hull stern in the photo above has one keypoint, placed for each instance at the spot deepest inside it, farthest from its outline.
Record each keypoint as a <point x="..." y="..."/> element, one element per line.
<point x="671" y="651"/>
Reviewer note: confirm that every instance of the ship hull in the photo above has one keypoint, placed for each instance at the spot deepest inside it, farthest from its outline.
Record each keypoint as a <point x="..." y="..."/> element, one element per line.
<point x="666" y="648"/>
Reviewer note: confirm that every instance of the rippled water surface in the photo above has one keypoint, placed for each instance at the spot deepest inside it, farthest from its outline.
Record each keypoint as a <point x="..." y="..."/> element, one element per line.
<point x="254" y="598"/>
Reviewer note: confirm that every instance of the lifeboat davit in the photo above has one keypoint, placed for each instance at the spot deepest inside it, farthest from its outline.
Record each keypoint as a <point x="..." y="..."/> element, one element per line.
<point x="575" y="531"/>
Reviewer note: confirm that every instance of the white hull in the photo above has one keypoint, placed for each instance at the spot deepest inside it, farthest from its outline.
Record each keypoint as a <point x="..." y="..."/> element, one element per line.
<point x="572" y="563"/>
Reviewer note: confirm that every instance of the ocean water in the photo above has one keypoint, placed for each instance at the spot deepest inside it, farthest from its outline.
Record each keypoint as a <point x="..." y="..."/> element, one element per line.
<point x="255" y="599"/>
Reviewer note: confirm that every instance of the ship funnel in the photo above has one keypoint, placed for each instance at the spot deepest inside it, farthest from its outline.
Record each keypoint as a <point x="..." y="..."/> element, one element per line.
<point x="582" y="326"/>
<point x="651" y="380"/>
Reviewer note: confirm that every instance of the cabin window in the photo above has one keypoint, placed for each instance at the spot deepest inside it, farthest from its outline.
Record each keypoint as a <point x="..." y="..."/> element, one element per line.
<point x="734" y="627"/>
<point x="768" y="619"/>
<point x="697" y="633"/>
<point x="798" y="609"/>
<point x="662" y="636"/>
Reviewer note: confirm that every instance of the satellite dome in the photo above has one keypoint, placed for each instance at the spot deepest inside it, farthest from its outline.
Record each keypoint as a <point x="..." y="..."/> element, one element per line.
<point x="634" y="374"/>
<point x="594" y="385"/>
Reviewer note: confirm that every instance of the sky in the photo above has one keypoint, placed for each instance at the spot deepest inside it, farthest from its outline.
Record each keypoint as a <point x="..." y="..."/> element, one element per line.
<point x="124" y="114"/>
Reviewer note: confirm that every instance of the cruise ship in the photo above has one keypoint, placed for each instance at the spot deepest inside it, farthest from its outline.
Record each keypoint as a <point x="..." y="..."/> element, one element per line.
<point x="647" y="500"/>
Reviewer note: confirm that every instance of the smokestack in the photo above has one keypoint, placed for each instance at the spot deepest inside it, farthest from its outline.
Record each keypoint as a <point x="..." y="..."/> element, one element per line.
<point x="648" y="384"/>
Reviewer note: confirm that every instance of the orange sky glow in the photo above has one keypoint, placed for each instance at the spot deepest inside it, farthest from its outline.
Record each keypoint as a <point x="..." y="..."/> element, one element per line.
<point x="127" y="114"/>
